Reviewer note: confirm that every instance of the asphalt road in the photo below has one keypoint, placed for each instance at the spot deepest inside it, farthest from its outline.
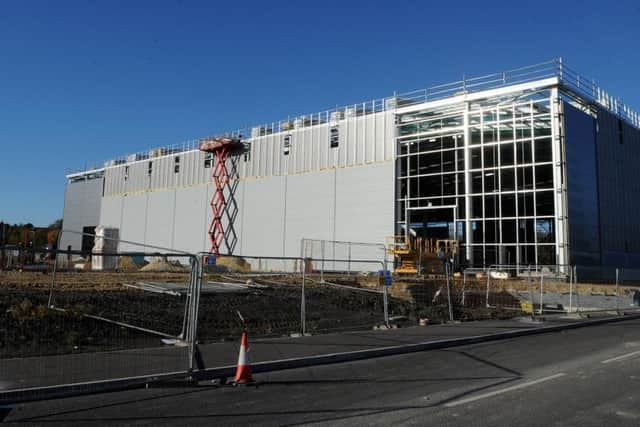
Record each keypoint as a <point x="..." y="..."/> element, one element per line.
<point x="586" y="377"/>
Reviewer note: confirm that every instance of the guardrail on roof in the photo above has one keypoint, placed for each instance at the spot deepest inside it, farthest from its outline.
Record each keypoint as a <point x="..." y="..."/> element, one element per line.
<point x="572" y="80"/>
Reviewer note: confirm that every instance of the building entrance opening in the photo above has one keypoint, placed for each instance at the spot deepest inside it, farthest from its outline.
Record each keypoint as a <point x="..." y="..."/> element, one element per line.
<point x="433" y="236"/>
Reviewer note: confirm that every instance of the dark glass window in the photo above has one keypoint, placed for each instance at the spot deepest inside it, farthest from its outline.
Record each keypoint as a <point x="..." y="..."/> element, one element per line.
<point x="544" y="203"/>
<point x="527" y="255"/>
<point x="525" y="204"/>
<point x="491" y="231"/>
<point x="448" y="161"/>
<point x="491" y="181"/>
<point x="544" y="231"/>
<point x="287" y="144"/>
<point x="208" y="160"/>
<point x="544" y="176"/>
<point x="477" y="231"/>
<point x="491" y="206"/>
<point x="523" y="152"/>
<point x="491" y="156"/>
<point x="490" y="133"/>
<point x="546" y="255"/>
<point x="475" y="136"/>
<point x="476" y="182"/>
<point x="506" y="132"/>
<point x="526" y="231"/>
<point x="542" y="127"/>
<point x="542" y="149"/>
<point x="525" y="178"/>
<point x="476" y="158"/>
<point x="523" y="129"/>
<point x="507" y="178"/>
<point x="509" y="231"/>
<point x="476" y="207"/>
<point x="413" y="165"/>
<point x="508" y="205"/>
<point x="506" y="154"/>
<point x="334" y="138"/>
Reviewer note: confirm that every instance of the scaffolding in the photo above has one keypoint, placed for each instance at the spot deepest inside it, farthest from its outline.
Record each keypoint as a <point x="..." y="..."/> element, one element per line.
<point x="222" y="149"/>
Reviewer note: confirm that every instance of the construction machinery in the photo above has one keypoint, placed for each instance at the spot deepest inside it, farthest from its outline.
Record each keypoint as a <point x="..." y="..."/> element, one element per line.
<point x="222" y="149"/>
<point x="419" y="255"/>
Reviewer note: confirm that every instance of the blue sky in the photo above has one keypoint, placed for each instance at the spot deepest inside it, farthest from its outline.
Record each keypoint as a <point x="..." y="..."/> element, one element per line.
<point x="83" y="82"/>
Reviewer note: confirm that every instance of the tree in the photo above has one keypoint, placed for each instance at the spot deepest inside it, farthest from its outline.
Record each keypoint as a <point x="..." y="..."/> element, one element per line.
<point x="56" y="225"/>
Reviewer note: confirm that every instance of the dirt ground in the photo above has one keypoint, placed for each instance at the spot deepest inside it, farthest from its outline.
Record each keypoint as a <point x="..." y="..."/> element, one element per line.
<point x="28" y="327"/>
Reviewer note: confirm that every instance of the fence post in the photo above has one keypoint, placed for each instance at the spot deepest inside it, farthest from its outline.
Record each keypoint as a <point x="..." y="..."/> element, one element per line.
<point x="618" y="291"/>
<point x="194" y="301"/>
<point x="570" y="289"/>
<point x="349" y="261"/>
<point x="533" y="315"/>
<point x="50" y="302"/>
<point x="303" y="302"/>
<point x="385" y="302"/>
<point x="575" y="280"/>
<point x="464" y="285"/>
<point x="541" y="289"/>
<point x="488" y="284"/>
<point x="447" y="272"/>
<point x="321" y="266"/>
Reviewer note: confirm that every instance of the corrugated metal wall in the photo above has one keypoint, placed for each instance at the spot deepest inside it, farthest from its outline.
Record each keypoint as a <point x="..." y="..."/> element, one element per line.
<point x="316" y="191"/>
<point x="618" y="148"/>
<point x="274" y="213"/>
<point x="362" y="140"/>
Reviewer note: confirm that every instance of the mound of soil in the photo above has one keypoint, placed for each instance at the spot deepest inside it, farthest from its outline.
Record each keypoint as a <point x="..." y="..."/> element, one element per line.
<point x="162" y="265"/>
<point x="126" y="264"/>
<point x="233" y="264"/>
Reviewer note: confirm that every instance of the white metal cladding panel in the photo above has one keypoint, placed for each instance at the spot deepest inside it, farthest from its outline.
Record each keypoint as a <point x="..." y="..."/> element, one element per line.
<point x="114" y="180"/>
<point x="309" y="208"/>
<point x="236" y="199"/>
<point x="364" y="203"/>
<point x="133" y="222"/>
<point x="262" y="227"/>
<point x="321" y="153"/>
<point x="138" y="179"/>
<point x="82" y="201"/>
<point x="344" y="148"/>
<point x="208" y="215"/>
<point x="389" y="130"/>
<point x="160" y="218"/>
<point x="190" y="223"/>
<point x="111" y="212"/>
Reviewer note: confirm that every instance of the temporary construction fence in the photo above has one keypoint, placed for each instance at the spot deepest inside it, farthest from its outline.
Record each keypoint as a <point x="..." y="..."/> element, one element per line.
<point x="81" y="327"/>
<point x="127" y="312"/>
<point x="549" y="289"/>
<point x="327" y="252"/>
<point x="285" y="302"/>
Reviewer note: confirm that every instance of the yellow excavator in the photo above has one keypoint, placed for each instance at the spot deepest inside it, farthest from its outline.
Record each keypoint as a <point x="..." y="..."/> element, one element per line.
<point x="420" y="255"/>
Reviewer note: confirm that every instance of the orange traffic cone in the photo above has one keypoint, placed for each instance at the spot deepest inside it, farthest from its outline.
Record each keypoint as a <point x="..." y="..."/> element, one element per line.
<point x="243" y="372"/>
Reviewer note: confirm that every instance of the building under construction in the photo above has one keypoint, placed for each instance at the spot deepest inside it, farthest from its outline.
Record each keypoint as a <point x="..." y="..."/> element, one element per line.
<point x="532" y="166"/>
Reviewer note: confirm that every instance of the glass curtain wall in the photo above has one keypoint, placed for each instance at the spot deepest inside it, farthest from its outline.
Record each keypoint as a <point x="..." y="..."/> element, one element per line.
<point x="510" y="173"/>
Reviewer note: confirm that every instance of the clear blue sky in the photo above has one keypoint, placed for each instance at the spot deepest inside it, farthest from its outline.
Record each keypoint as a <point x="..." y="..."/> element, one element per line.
<point x="86" y="81"/>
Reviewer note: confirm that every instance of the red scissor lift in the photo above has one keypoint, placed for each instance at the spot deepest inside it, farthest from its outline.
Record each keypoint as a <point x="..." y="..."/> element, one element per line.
<point x="222" y="149"/>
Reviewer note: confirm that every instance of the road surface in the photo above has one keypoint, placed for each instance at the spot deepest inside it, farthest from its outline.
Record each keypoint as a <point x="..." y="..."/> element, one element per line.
<point x="586" y="377"/>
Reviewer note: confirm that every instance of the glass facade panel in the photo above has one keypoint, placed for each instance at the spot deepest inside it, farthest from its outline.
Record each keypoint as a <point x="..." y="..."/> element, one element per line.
<point x="511" y="176"/>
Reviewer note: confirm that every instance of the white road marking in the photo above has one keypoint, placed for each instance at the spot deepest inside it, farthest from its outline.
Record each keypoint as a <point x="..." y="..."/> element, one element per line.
<point x="504" y="390"/>
<point x="624" y="356"/>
